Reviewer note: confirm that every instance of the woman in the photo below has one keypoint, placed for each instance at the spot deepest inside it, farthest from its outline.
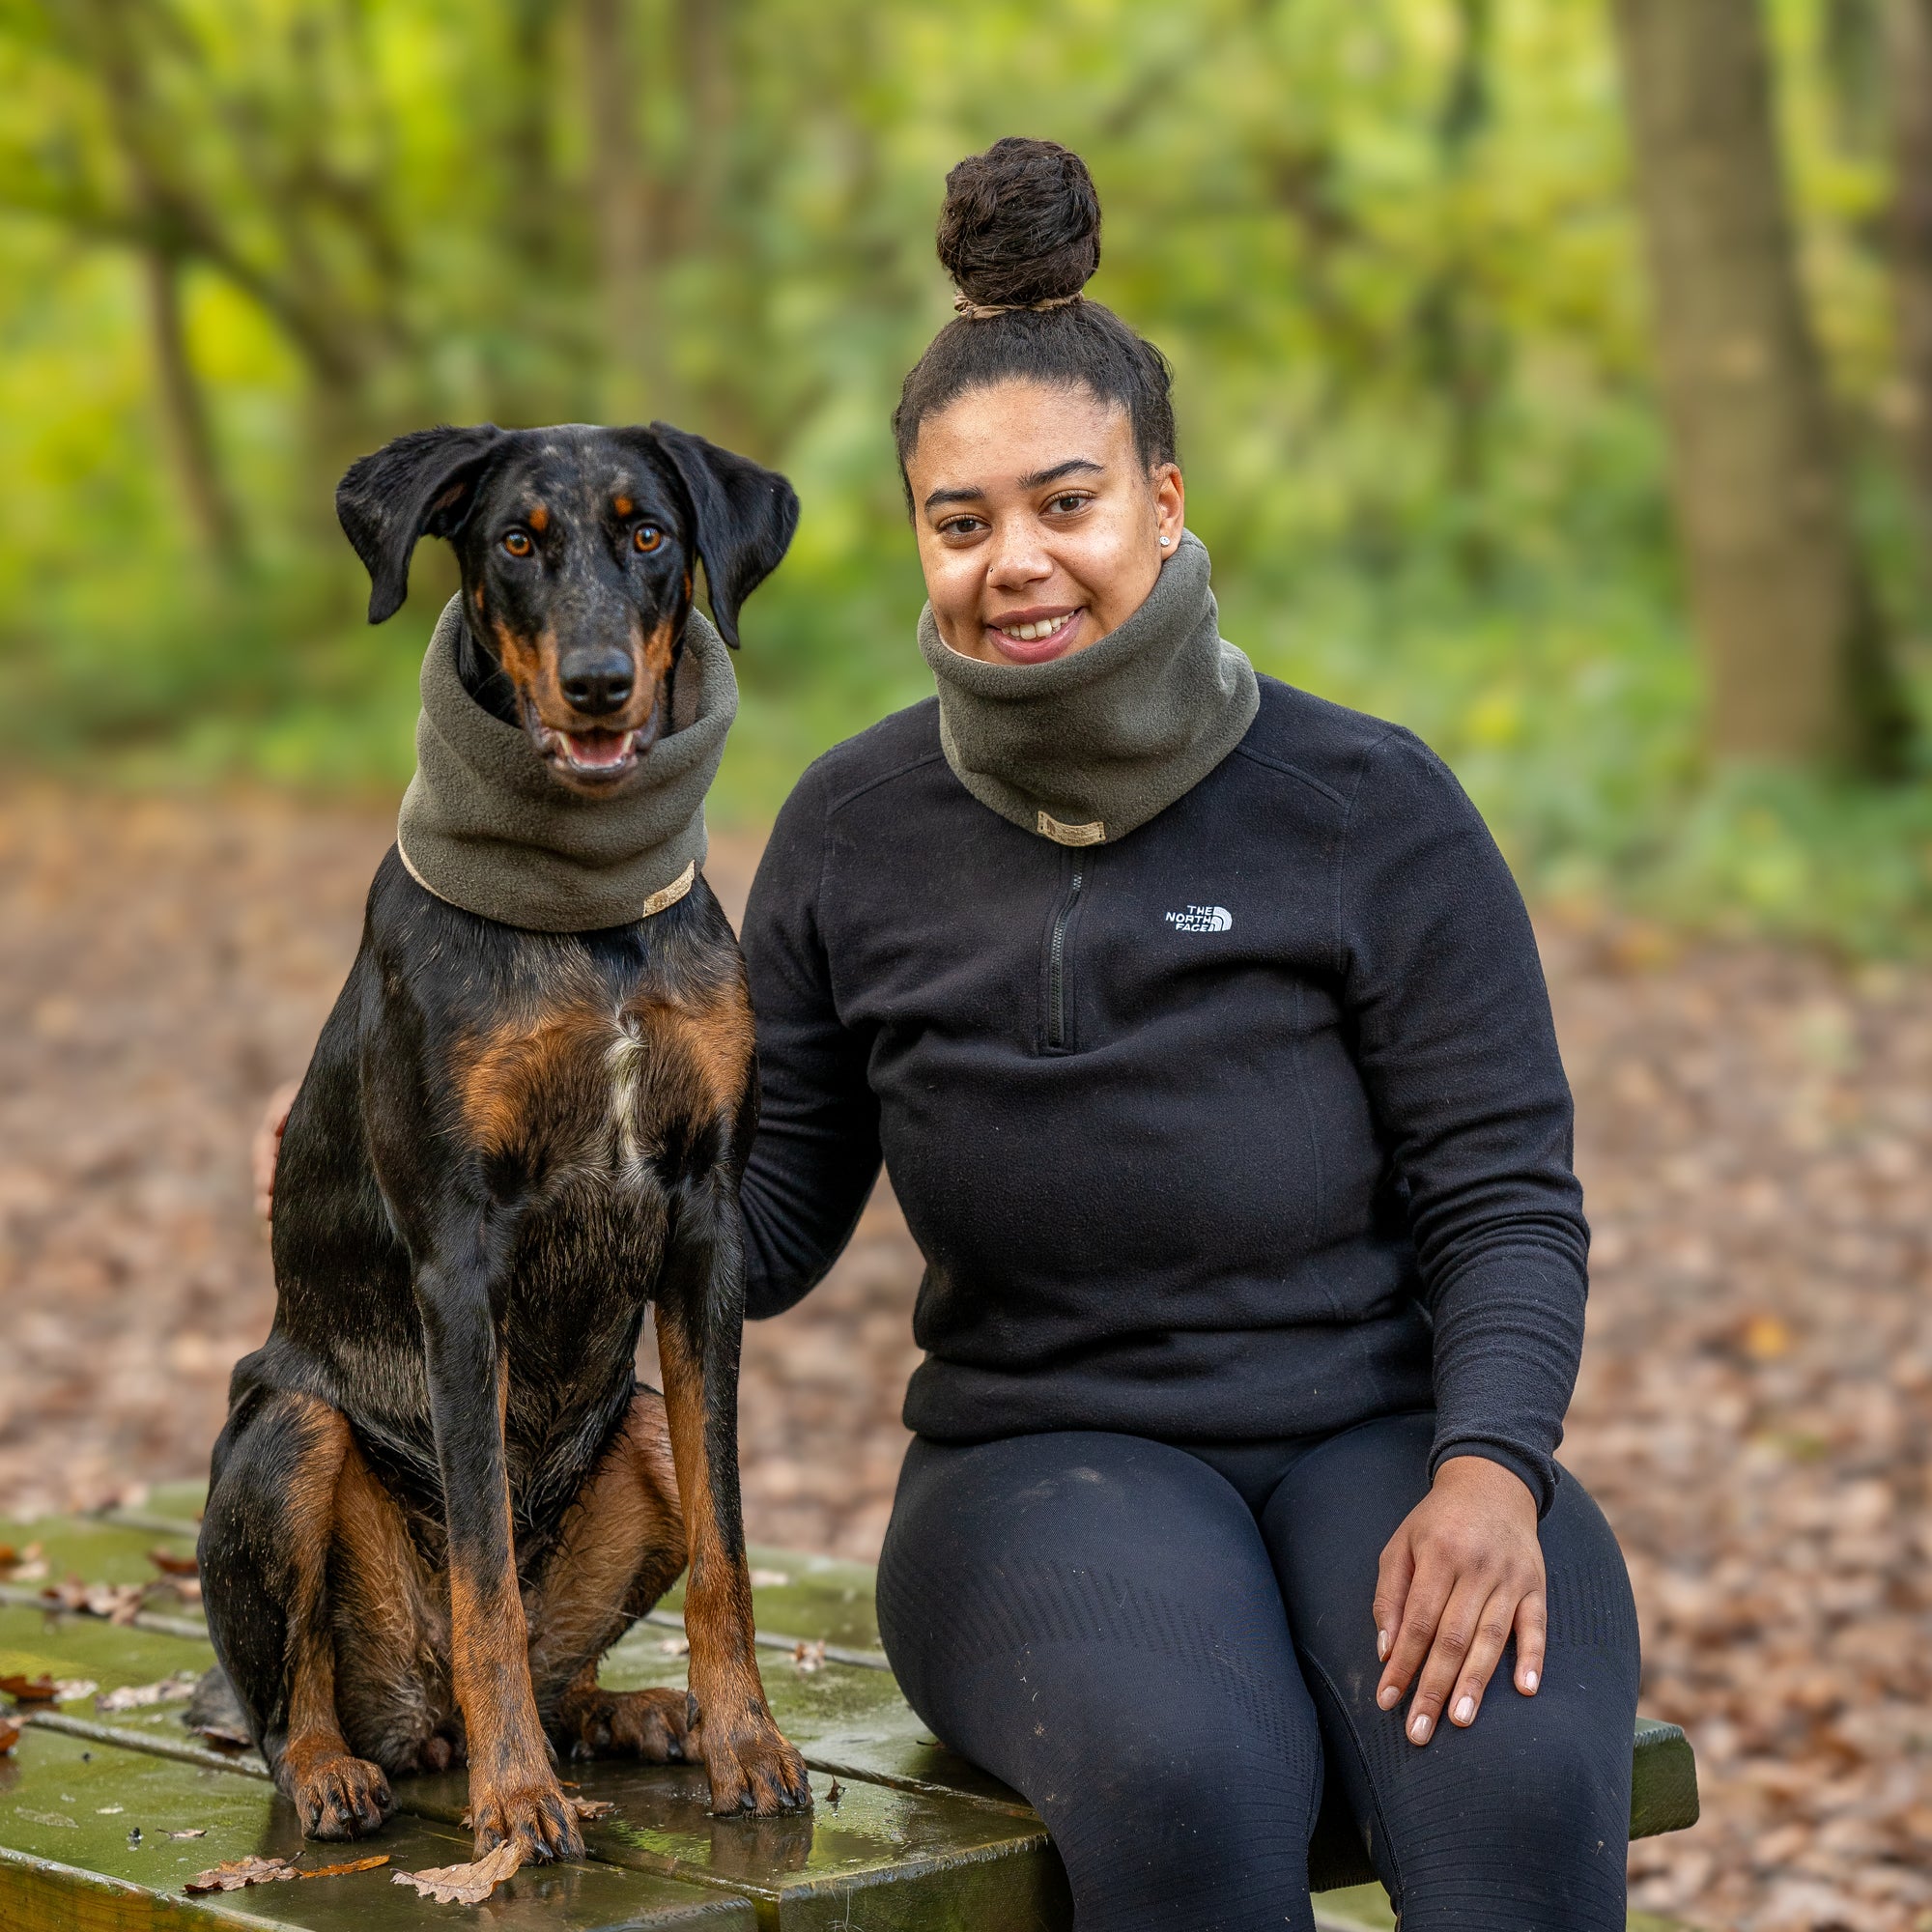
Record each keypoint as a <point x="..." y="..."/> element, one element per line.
<point x="1202" y="1028"/>
<point x="1203" y="1031"/>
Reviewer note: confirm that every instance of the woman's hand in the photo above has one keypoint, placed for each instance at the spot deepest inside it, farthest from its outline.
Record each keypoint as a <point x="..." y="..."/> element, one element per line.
<point x="267" y="1147"/>
<point x="1462" y="1572"/>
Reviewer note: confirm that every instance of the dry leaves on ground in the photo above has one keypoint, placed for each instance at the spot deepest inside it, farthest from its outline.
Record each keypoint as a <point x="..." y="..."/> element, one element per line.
<point x="465" y="1885"/>
<point x="1755" y="1411"/>
<point x="45" y="1689"/>
<point x="140" y="1696"/>
<point x="235" y="1873"/>
<point x="344" y="1870"/>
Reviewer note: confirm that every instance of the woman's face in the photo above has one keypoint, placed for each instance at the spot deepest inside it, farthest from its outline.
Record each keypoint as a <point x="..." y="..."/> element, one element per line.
<point x="1039" y="528"/>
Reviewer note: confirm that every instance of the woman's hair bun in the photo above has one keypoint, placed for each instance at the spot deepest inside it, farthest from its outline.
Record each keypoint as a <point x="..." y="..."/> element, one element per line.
<point x="1021" y="224"/>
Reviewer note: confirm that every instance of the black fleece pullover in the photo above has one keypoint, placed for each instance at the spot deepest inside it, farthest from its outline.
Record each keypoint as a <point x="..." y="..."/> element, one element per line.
<point x="1247" y="1126"/>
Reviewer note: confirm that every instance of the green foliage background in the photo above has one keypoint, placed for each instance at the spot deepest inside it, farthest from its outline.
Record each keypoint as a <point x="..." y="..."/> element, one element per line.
<point x="1388" y="246"/>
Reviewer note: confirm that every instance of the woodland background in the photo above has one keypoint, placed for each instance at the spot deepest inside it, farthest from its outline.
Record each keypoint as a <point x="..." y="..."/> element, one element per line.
<point x="1653" y="575"/>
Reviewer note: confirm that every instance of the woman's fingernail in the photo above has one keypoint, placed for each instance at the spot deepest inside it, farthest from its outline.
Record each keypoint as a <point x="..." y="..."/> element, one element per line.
<point x="1529" y="1679"/>
<point x="1466" y="1710"/>
<point x="1381" y="1646"/>
<point x="1419" y="1728"/>
<point x="1388" y="1696"/>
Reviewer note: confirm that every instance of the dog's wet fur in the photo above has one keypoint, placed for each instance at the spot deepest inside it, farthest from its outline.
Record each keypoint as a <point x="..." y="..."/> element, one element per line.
<point x="441" y="1495"/>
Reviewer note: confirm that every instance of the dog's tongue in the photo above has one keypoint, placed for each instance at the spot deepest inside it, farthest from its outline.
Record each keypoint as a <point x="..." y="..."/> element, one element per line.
<point x="597" y="747"/>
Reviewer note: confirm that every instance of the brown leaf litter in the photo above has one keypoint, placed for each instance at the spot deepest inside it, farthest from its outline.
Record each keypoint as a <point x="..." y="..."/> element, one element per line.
<point x="1754" y="1133"/>
<point x="465" y="1885"/>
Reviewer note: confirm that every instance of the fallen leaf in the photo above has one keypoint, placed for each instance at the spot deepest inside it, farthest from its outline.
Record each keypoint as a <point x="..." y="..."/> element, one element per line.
<point x="10" y="1735"/>
<point x="465" y="1885"/>
<point x="108" y="1810"/>
<point x="68" y="1689"/>
<point x="833" y="1793"/>
<point x="171" y="1565"/>
<point x="342" y="1872"/>
<point x="238" y="1872"/>
<point x="40" y="1690"/>
<point x="139" y="1696"/>
<point x="223" y="1736"/>
<point x="192" y="1831"/>
<point x="810" y="1656"/>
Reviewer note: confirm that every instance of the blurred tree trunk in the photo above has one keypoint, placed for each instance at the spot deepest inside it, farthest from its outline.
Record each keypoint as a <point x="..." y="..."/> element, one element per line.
<point x="1465" y="352"/>
<point x="184" y="430"/>
<point x="1909" y="68"/>
<point x="183" y="412"/>
<point x="636" y="380"/>
<point x="1796" y="665"/>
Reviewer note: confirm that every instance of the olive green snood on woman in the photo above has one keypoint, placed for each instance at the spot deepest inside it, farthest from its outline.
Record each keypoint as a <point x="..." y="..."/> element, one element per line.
<point x="1085" y="748"/>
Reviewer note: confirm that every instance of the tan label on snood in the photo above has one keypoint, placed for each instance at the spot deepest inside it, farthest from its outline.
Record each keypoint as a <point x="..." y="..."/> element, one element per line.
<point x="669" y="896"/>
<point x="1071" y="834"/>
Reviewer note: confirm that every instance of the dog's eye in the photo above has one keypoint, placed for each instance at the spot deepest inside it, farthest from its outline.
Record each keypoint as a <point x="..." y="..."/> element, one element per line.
<point x="648" y="537"/>
<point x="518" y="542"/>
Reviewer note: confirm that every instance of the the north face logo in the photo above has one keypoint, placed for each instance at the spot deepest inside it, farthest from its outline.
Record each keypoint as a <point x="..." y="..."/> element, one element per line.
<point x="1202" y="918"/>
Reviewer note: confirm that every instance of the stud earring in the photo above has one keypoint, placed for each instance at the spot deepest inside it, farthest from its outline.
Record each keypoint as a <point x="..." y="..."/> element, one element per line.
<point x="1165" y="541"/>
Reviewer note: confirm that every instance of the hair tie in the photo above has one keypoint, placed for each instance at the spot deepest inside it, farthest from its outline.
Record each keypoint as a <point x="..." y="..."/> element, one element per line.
<point x="973" y="311"/>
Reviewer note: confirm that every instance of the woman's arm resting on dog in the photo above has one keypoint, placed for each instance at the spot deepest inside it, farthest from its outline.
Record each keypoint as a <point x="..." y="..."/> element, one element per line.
<point x="816" y="1154"/>
<point x="1461" y="1573"/>
<point x="267" y="1147"/>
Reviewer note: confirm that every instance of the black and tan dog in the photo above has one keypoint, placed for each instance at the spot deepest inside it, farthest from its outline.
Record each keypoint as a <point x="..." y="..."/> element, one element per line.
<point x="441" y="1495"/>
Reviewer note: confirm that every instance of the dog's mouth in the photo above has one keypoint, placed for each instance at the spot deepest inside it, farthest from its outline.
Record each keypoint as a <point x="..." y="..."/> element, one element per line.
<point x="594" y="755"/>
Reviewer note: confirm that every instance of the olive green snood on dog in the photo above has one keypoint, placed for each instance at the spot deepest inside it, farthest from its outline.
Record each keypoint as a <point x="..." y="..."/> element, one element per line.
<point x="486" y="826"/>
<point x="1083" y="748"/>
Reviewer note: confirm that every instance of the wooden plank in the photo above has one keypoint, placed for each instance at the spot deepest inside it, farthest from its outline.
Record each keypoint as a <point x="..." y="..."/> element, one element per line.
<point x="69" y="1860"/>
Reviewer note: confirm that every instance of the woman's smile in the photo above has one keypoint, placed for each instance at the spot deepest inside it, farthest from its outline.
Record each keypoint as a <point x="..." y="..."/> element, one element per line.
<point x="1036" y="633"/>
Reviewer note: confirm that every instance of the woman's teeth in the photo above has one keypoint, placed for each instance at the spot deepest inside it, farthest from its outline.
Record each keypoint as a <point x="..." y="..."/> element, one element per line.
<point x="1028" y="634"/>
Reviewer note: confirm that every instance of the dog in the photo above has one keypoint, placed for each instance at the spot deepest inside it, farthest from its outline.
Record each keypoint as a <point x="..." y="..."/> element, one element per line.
<point x="441" y="1493"/>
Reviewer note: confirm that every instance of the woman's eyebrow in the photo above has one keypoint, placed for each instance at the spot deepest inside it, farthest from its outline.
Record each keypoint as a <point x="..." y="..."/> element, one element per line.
<point x="1059" y="469"/>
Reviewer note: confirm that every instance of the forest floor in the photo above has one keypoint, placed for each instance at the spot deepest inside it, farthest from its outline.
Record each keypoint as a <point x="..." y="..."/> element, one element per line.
<point x="1755" y="1413"/>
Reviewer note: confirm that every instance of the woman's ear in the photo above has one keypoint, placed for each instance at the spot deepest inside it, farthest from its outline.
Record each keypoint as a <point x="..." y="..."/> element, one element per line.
<point x="421" y="484"/>
<point x="1170" y="506"/>
<point x="743" y="516"/>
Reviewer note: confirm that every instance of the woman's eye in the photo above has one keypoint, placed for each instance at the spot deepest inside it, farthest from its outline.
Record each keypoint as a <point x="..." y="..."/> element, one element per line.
<point x="518" y="542"/>
<point x="961" y="527"/>
<point x="648" y="537"/>
<point x="1073" y="500"/>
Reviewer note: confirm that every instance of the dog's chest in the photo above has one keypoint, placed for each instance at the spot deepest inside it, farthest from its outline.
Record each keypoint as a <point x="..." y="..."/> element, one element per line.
<point x="614" y="1091"/>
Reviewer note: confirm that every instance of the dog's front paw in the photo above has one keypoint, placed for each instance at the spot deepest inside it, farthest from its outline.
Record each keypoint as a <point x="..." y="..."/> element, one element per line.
<point x="536" y="1815"/>
<point x="752" y="1769"/>
<point x="340" y="1797"/>
<point x="655" y="1725"/>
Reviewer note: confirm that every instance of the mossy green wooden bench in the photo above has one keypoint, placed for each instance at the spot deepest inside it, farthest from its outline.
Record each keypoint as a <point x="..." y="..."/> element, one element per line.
<point x="915" y="1838"/>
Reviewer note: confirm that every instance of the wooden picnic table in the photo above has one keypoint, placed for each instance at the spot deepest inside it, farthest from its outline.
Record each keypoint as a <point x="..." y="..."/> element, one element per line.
<point x="912" y="1838"/>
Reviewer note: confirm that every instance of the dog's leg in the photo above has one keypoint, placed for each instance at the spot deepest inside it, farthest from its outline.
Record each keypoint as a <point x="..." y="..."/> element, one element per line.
<point x="701" y="1321"/>
<point x="264" y="1553"/>
<point x="513" y="1787"/>
<point x="621" y="1548"/>
<point x="391" y="1617"/>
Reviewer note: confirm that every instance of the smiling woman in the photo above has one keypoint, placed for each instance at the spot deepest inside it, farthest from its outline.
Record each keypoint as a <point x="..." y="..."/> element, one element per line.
<point x="1203" y="1031"/>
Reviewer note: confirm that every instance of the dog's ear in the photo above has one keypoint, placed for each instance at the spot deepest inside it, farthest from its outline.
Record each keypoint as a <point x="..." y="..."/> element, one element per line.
<point x="421" y="484"/>
<point x="745" y="516"/>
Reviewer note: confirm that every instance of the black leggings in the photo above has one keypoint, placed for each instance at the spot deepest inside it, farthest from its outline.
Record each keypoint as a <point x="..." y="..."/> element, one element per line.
<point x="1163" y="1647"/>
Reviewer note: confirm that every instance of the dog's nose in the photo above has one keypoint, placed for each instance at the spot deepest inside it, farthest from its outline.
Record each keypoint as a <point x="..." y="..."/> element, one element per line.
<point x="600" y="685"/>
